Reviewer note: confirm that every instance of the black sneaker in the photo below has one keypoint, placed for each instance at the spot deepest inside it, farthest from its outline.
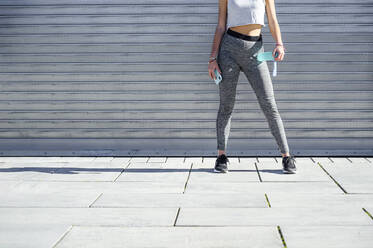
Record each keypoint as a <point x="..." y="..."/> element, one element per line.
<point x="221" y="164"/>
<point x="288" y="165"/>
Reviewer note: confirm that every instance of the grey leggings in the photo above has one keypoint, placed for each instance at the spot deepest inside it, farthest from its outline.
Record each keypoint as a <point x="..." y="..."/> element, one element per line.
<point x="236" y="54"/>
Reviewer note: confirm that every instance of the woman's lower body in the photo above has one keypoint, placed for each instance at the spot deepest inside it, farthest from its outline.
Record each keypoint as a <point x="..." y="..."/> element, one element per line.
<point x="236" y="53"/>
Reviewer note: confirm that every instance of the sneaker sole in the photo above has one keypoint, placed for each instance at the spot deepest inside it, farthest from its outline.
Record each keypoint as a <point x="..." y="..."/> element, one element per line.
<point x="288" y="172"/>
<point x="222" y="171"/>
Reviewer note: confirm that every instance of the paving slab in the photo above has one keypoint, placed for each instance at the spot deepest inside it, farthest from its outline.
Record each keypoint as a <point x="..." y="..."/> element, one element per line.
<point x="120" y="160"/>
<point x="176" y="160"/>
<point x="112" y="199"/>
<point x="157" y="159"/>
<point x="26" y="171"/>
<point x="246" y="187"/>
<point x="62" y="171"/>
<point x="352" y="179"/>
<point x="96" y="187"/>
<point x="156" y="171"/>
<point x="34" y="187"/>
<point x="87" y="216"/>
<point x="139" y="159"/>
<point x="175" y="237"/>
<point x="324" y="160"/>
<point x="193" y="160"/>
<point x="317" y="216"/>
<point x="306" y="171"/>
<point x="284" y="199"/>
<point x="234" y="164"/>
<point x="359" y="160"/>
<point x="103" y="159"/>
<point x="341" y="160"/>
<point x="328" y="236"/>
<point x="268" y="159"/>
<point x="41" y="199"/>
<point x="146" y="187"/>
<point x="238" y="172"/>
<point x="357" y="187"/>
<point x="7" y="185"/>
<point x="31" y="236"/>
<point x="46" y="159"/>
<point x="80" y="174"/>
<point x="248" y="160"/>
<point x="159" y="165"/>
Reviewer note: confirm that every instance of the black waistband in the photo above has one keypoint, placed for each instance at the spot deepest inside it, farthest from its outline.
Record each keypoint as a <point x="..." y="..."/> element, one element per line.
<point x="243" y="36"/>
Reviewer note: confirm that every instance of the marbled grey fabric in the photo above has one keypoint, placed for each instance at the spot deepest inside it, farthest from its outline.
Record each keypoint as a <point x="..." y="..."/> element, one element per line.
<point x="237" y="55"/>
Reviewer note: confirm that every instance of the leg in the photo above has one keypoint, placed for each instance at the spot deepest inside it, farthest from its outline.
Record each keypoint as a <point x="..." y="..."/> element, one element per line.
<point x="260" y="80"/>
<point x="227" y="92"/>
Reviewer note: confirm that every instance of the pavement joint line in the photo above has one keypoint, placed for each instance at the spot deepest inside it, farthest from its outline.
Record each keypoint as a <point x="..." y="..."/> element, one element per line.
<point x="190" y="171"/>
<point x="63" y="236"/>
<point x="331" y="159"/>
<point x="266" y="196"/>
<point x="335" y="181"/>
<point x="276" y="160"/>
<point x="349" y="160"/>
<point x="257" y="171"/>
<point x="90" y="205"/>
<point x="122" y="171"/>
<point x="281" y="236"/>
<point x="314" y="161"/>
<point x="367" y="212"/>
<point x="177" y="215"/>
<point x="368" y="160"/>
<point x="257" y="159"/>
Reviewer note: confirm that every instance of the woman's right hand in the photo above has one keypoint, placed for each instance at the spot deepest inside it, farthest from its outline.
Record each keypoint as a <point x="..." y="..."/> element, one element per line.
<point x="212" y="66"/>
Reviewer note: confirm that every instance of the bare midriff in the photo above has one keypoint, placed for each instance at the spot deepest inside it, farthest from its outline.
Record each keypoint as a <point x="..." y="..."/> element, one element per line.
<point x="248" y="29"/>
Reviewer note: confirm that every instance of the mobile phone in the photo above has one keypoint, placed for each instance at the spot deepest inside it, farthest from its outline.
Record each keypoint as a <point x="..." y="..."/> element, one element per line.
<point x="218" y="77"/>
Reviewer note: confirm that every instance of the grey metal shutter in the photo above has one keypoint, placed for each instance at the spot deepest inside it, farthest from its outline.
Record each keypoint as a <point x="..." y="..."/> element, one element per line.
<point x="129" y="77"/>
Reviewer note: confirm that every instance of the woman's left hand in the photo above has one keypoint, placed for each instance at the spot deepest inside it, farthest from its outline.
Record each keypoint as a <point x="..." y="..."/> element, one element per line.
<point x="281" y="53"/>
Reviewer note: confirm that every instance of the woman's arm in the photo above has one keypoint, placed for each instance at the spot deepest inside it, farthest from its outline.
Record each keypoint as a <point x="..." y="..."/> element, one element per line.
<point x="274" y="27"/>
<point x="220" y="28"/>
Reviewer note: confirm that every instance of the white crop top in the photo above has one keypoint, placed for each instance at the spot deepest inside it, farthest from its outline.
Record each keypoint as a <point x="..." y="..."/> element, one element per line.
<point x="242" y="12"/>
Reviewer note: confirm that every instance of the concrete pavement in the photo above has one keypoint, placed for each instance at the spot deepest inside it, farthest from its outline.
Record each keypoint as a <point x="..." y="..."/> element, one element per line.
<point x="180" y="202"/>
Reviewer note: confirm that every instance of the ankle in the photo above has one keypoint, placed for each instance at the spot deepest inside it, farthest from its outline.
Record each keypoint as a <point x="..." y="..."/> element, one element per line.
<point x="220" y="152"/>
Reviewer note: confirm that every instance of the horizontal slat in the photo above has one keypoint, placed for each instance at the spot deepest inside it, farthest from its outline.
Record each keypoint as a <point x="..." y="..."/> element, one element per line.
<point x="182" y="45"/>
<point x="243" y="84"/>
<point x="173" y="124"/>
<point x="152" y="8"/>
<point x="358" y="33"/>
<point x="179" y="133"/>
<point x="180" y="95"/>
<point x="187" y="15"/>
<point x="174" y="76"/>
<point x="182" y="114"/>
<point x="118" y="28"/>
<point x="289" y="66"/>
<point x="167" y="2"/>
<point x="296" y="53"/>
<point x="123" y="105"/>
<point x="246" y="146"/>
